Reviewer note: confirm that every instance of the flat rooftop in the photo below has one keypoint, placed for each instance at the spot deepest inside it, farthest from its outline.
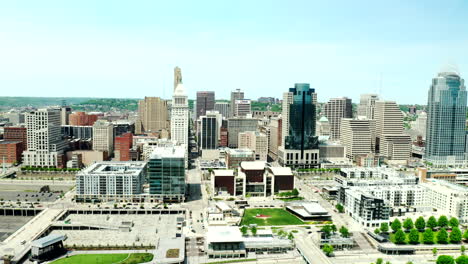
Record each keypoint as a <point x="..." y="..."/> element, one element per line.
<point x="221" y="173"/>
<point x="307" y="209"/>
<point x="253" y="165"/>
<point x="168" y="152"/>
<point x="114" y="167"/>
<point x="219" y="234"/>
<point x="281" y="171"/>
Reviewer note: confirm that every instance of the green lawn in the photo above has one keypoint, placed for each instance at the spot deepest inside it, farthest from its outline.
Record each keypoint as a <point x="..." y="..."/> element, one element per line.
<point x="277" y="217"/>
<point x="106" y="259"/>
<point x="290" y="199"/>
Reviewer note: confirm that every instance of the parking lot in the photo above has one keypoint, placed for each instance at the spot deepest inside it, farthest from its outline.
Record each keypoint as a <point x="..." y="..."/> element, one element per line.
<point x="9" y="224"/>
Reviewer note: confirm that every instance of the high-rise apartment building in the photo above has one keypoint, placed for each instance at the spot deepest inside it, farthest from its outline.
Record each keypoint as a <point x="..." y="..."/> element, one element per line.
<point x="446" y="120"/>
<point x="255" y="141"/>
<point x="166" y="173"/>
<point x="205" y="102"/>
<point x="44" y="144"/>
<point x="65" y="112"/>
<point x="103" y="136"/>
<point x="180" y="116"/>
<point x="299" y="146"/>
<point x="357" y="136"/>
<point x="209" y="130"/>
<point x="153" y="116"/>
<point x="223" y="108"/>
<point x="242" y="108"/>
<point x="237" y="94"/>
<point x="366" y="107"/>
<point x="334" y="110"/>
<point x="419" y="125"/>
<point x="237" y="125"/>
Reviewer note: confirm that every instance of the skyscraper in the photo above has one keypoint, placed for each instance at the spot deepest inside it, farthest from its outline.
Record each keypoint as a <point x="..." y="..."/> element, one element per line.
<point x="209" y="130"/>
<point x="357" y="136"/>
<point x="390" y="140"/>
<point x="103" y="136"/>
<point x="237" y="94"/>
<point x="336" y="109"/>
<point x="366" y="107"/>
<point x="242" y="108"/>
<point x="205" y="102"/>
<point x="223" y="108"/>
<point x="446" y="120"/>
<point x="45" y="143"/>
<point x="177" y="77"/>
<point x="300" y="145"/>
<point x="180" y="116"/>
<point x="153" y="115"/>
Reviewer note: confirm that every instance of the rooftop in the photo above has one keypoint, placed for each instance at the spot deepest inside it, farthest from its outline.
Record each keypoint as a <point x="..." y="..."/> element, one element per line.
<point x="219" y="234"/>
<point x="253" y="165"/>
<point x="47" y="240"/>
<point x="114" y="167"/>
<point x="219" y="173"/>
<point x="281" y="171"/>
<point x="168" y="152"/>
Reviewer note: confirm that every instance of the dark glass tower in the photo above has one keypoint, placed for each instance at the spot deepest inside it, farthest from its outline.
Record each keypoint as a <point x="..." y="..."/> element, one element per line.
<point x="446" y="120"/>
<point x="301" y="134"/>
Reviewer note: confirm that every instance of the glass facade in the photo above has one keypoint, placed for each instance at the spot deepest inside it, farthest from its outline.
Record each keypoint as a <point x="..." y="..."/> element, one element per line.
<point x="446" y="120"/>
<point x="302" y="119"/>
<point x="166" y="177"/>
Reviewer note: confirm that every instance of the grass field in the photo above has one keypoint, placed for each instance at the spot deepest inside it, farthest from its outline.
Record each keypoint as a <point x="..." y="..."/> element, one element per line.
<point x="134" y="258"/>
<point x="277" y="217"/>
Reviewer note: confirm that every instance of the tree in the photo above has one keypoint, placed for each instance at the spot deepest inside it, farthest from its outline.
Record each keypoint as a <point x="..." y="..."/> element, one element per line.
<point x="408" y="224"/>
<point x="409" y="262"/>
<point x="453" y="222"/>
<point x="428" y="236"/>
<point x="327" y="249"/>
<point x="462" y="249"/>
<point x="253" y="229"/>
<point x="400" y="237"/>
<point x="340" y="208"/>
<point x="431" y="223"/>
<point x="420" y="224"/>
<point x="333" y="228"/>
<point x="462" y="260"/>
<point x="413" y="236"/>
<point x="465" y="235"/>
<point x="379" y="261"/>
<point x="384" y="227"/>
<point x="444" y="259"/>
<point x="244" y="230"/>
<point x="290" y="236"/>
<point x="434" y="251"/>
<point x="455" y="235"/>
<point x="442" y="222"/>
<point x="442" y="236"/>
<point x="295" y="192"/>
<point x="344" y="231"/>
<point x="396" y="225"/>
<point x="377" y="231"/>
<point x="326" y="230"/>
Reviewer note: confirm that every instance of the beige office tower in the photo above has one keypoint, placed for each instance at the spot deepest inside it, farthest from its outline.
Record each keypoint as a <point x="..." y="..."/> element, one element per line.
<point x="103" y="136"/>
<point x="357" y="136"/>
<point x="177" y="77"/>
<point x="334" y="110"/>
<point x="153" y="116"/>
<point x="366" y="107"/>
<point x="255" y="141"/>
<point x="237" y="94"/>
<point x="390" y="140"/>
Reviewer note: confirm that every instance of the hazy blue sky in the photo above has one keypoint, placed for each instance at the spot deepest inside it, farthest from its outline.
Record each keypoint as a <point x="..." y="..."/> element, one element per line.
<point x="129" y="48"/>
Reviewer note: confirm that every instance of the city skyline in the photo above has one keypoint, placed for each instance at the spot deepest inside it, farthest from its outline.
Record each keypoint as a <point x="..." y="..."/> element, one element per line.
<point x="70" y="49"/>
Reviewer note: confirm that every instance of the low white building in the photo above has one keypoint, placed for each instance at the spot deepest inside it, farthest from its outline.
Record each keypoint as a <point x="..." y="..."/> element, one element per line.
<point x="110" y="179"/>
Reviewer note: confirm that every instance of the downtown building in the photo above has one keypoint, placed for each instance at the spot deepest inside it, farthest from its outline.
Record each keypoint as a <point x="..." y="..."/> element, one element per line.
<point x="45" y="145"/>
<point x="238" y="125"/>
<point x="180" y="116"/>
<point x="103" y="137"/>
<point x="255" y="141"/>
<point x="237" y="94"/>
<point x="357" y="135"/>
<point x="366" y="107"/>
<point x="299" y="146"/>
<point x="334" y="111"/>
<point x="205" y="102"/>
<point x="242" y="108"/>
<point x="153" y="116"/>
<point x="446" y="121"/>
<point x="166" y="173"/>
<point x="223" y="108"/>
<point x="104" y="181"/>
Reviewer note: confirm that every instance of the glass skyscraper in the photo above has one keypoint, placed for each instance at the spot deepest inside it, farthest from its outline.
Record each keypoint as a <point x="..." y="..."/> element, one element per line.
<point x="446" y="120"/>
<point x="301" y="119"/>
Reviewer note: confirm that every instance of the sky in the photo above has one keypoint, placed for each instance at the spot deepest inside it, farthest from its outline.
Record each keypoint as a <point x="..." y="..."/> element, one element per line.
<point x="128" y="49"/>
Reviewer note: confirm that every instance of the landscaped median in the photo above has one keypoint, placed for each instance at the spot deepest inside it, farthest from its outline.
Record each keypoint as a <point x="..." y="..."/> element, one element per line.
<point x="269" y="217"/>
<point x="133" y="258"/>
